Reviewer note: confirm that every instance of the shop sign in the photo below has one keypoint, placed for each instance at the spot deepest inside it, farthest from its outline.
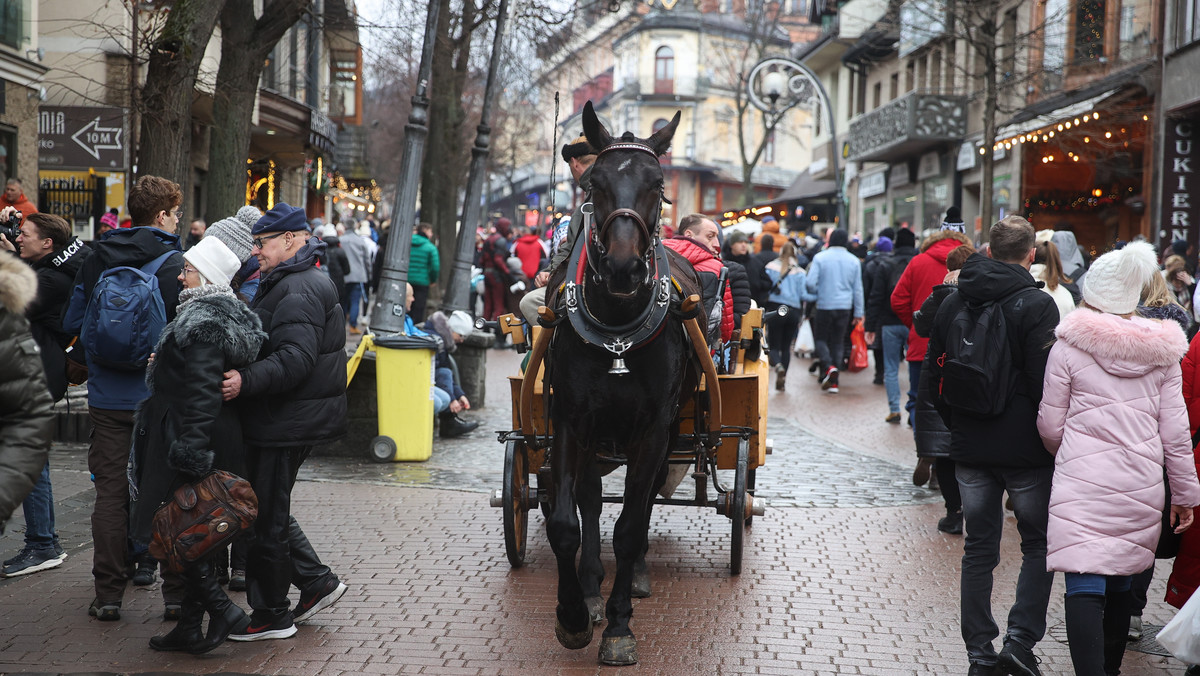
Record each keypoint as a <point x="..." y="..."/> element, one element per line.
<point x="78" y="137"/>
<point x="900" y="175"/>
<point x="967" y="153"/>
<point x="929" y="166"/>
<point x="322" y="132"/>
<point x="1181" y="161"/>
<point x="871" y="185"/>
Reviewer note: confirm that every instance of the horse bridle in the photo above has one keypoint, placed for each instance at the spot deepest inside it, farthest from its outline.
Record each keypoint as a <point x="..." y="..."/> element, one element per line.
<point x="599" y="234"/>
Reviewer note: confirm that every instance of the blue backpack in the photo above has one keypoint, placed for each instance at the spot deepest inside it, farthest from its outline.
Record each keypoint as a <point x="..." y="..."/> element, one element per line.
<point x="125" y="316"/>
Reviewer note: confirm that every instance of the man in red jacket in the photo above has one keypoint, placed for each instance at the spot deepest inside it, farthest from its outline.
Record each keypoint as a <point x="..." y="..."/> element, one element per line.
<point x="698" y="242"/>
<point x="14" y="196"/>
<point x="926" y="271"/>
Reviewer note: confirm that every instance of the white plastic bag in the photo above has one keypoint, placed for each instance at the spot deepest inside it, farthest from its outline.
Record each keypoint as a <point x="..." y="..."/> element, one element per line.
<point x="804" y="341"/>
<point x="1181" y="636"/>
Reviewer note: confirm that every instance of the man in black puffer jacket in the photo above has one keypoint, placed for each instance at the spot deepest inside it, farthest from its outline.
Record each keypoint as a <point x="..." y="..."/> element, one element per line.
<point x="293" y="397"/>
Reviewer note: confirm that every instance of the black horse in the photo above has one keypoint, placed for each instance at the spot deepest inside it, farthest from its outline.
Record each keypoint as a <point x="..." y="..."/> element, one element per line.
<point x="617" y="376"/>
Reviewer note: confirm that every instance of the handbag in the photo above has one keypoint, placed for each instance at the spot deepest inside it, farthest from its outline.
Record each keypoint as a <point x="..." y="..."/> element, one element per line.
<point x="1181" y="636"/>
<point x="202" y="517"/>
<point x="858" y="349"/>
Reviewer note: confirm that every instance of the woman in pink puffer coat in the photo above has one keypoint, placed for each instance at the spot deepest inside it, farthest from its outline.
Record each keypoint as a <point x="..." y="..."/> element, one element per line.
<point x="1113" y="413"/>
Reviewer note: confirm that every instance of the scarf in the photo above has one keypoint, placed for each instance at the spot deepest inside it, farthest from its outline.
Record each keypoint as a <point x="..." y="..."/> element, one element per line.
<point x="188" y="295"/>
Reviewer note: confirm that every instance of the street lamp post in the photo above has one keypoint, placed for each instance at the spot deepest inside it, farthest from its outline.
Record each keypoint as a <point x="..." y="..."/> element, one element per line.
<point x="388" y="316"/>
<point x="776" y="85"/>
<point x="458" y="290"/>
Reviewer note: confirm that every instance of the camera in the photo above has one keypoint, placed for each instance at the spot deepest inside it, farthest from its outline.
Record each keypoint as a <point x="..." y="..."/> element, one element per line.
<point x="11" y="227"/>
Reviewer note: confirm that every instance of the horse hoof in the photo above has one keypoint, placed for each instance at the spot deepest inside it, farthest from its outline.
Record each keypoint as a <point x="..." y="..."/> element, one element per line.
<point x="572" y="640"/>
<point x="640" y="588"/>
<point x="618" y="651"/>
<point x="595" y="606"/>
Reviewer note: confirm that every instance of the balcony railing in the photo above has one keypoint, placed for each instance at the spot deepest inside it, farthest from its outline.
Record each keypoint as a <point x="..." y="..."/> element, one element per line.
<point x="908" y="125"/>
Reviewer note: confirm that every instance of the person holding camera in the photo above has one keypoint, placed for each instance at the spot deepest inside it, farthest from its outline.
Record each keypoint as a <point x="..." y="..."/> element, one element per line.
<point x="46" y="244"/>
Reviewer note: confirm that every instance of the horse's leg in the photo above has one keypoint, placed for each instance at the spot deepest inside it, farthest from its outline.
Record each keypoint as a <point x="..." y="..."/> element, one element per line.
<point x="591" y="571"/>
<point x="640" y="587"/>
<point x="573" y="627"/>
<point x="629" y="540"/>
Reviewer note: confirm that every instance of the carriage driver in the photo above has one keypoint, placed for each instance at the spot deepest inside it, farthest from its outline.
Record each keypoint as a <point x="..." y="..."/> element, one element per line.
<point x="580" y="156"/>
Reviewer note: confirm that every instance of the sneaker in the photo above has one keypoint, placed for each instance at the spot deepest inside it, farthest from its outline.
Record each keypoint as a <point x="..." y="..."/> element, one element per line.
<point x="1135" y="628"/>
<point x="237" y="580"/>
<point x="325" y="596"/>
<point x="1017" y="660"/>
<point x="105" y="611"/>
<point x="830" y="382"/>
<point x="892" y="418"/>
<point x="31" y="561"/>
<point x="264" y="630"/>
<point x="951" y="524"/>
<point x="144" y="575"/>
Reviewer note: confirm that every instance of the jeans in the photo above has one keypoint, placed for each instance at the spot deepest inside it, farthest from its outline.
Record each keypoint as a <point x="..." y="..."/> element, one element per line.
<point x="781" y="333"/>
<point x="893" y="339"/>
<point x="420" y="298"/>
<point x="441" y="400"/>
<point x="112" y="432"/>
<point x="357" y="292"/>
<point x="914" y="377"/>
<point x="39" y="515"/>
<point x="281" y="554"/>
<point x="829" y="334"/>
<point x="1093" y="583"/>
<point x="982" y="491"/>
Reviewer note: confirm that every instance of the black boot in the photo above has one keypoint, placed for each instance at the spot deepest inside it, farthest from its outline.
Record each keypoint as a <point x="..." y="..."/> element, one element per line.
<point x="187" y="632"/>
<point x="453" y="426"/>
<point x="1085" y="633"/>
<point x="224" y="617"/>
<point x="1117" y="606"/>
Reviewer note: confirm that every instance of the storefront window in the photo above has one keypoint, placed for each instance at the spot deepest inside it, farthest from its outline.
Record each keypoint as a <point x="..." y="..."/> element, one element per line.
<point x="904" y="211"/>
<point x="937" y="199"/>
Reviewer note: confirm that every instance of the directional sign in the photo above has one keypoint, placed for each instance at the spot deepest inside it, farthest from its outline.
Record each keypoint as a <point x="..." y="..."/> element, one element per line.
<point x="77" y="137"/>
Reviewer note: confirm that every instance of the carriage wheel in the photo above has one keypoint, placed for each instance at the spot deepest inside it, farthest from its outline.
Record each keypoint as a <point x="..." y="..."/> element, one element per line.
<point x="750" y="477"/>
<point x="737" y="512"/>
<point x="516" y="511"/>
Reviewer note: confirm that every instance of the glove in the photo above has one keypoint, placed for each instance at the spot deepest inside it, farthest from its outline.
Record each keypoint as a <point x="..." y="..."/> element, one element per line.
<point x="189" y="461"/>
<point x="519" y="286"/>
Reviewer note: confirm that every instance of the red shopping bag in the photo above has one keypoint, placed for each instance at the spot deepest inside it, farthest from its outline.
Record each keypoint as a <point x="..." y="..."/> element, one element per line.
<point x="858" y="348"/>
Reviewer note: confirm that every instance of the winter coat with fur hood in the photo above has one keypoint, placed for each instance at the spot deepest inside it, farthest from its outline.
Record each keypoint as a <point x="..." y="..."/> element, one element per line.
<point x="185" y="428"/>
<point x="925" y="271"/>
<point x="1113" y="414"/>
<point x="26" y="422"/>
<point x="1185" y="573"/>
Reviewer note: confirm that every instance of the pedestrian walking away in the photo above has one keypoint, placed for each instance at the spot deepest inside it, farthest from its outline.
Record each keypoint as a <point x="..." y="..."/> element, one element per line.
<point x="291" y="398"/>
<point x="835" y="276"/>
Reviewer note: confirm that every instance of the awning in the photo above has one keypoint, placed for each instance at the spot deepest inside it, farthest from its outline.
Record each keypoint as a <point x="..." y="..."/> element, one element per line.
<point x="806" y="187"/>
<point x="1052" y="110"/>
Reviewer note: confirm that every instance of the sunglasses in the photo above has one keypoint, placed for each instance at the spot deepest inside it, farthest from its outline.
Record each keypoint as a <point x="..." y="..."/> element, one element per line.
<point x="258" y="241"/>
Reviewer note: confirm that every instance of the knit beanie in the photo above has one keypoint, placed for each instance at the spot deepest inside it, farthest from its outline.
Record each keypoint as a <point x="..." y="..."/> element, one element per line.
<point x="906" y="237"/>
<point x="883" y="244"/>
<point x="215" y="262"/>
<point x="1114" y="282"/>
<point x="460" y="323"/>
<point x="235" y="232"/>
<point x="954" y="221"/>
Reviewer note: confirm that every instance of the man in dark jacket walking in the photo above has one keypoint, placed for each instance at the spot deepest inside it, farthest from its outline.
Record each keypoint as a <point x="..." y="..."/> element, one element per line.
<point x="292" y="398"/>
<point x="46" y="245"/>
<point x="1003" y="452"/>
<point x="114" y="393"/>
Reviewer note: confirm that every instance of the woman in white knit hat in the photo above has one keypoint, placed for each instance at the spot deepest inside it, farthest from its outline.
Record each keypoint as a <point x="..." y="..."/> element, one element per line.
<point x="185" y="429"/>
<point x="1113" y="414"/>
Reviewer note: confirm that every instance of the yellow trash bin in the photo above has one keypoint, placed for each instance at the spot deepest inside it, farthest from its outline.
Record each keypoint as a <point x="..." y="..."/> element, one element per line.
<point x="404" y="387"/>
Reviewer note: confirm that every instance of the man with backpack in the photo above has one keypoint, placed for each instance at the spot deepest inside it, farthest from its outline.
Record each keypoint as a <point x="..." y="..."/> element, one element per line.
<point x="987" y="357"/>
<point x="881" y="275"/>
<point x="124" y="295"/>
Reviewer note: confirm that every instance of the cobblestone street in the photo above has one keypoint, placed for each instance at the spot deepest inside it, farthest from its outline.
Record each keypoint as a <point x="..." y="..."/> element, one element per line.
<point x="844" y="574"/>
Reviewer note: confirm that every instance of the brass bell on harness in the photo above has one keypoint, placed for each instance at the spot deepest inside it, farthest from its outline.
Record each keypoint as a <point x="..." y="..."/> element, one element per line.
<point x="618" y="367"/>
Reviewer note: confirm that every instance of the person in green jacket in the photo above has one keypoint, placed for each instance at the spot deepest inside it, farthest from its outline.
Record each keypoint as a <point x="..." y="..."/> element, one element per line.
<point x="424" y="265"/>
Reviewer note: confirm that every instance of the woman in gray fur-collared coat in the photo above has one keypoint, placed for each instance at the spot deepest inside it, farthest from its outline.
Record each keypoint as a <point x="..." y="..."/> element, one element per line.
<point x="184" y="429"/>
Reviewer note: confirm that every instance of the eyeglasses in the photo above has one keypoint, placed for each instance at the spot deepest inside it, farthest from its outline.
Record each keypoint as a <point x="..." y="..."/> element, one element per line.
<point x="258" y="241"/>
<point x="187" y="270"/>
<point x="178" y="214"/>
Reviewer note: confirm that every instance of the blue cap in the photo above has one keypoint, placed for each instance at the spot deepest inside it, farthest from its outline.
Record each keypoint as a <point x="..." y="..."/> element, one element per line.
<point x="282" y="218"/>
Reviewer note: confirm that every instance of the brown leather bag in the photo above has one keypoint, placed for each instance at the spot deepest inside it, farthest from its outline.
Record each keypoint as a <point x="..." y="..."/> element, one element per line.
<point x="201" y="517"/>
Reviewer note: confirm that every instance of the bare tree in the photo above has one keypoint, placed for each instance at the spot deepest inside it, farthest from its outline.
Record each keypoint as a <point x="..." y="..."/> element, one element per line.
<point x="166" y="98"/>
<point x="246" y="42"/>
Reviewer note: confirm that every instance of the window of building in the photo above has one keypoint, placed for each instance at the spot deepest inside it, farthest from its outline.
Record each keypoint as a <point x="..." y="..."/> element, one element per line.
<point x="1054" y="45"/>
<point x="659" y="124"/>
<point x="1186" y="22"/>
<point x="271" y="70"/>
<point x="1008" y="45"/>
<point x="910" y="76"/>
<point x="14" y="15"/>
<point x="876" y="95"/>
<point x="1088" y="45"/>
<point x="708" y="199"/>
<point x="293" y="60"/>
<point x="1134" y="30"/>
<point x="664" y="71"/>
<point x="894" y="90"/>
<point x="935" y="71"/>
<point x="8" y="153"/>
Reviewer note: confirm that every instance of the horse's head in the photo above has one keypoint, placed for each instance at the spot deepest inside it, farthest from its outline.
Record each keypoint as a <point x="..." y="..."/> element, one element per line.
<point x="627" y="192"/>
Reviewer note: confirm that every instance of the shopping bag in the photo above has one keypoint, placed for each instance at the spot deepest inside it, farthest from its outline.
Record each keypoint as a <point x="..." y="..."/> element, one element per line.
<point x="804" y="341"/>
<point x="858" y="349"/>
<point x="1181" y="636"/>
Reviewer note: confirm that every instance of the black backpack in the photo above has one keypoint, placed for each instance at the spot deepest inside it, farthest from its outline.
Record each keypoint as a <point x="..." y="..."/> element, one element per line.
<point x="978" y="376"/>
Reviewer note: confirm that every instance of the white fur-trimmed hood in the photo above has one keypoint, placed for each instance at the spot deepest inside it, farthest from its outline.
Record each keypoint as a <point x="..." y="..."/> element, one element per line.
<point x="1120" y="345"/>
<point x="18" y="284"/>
